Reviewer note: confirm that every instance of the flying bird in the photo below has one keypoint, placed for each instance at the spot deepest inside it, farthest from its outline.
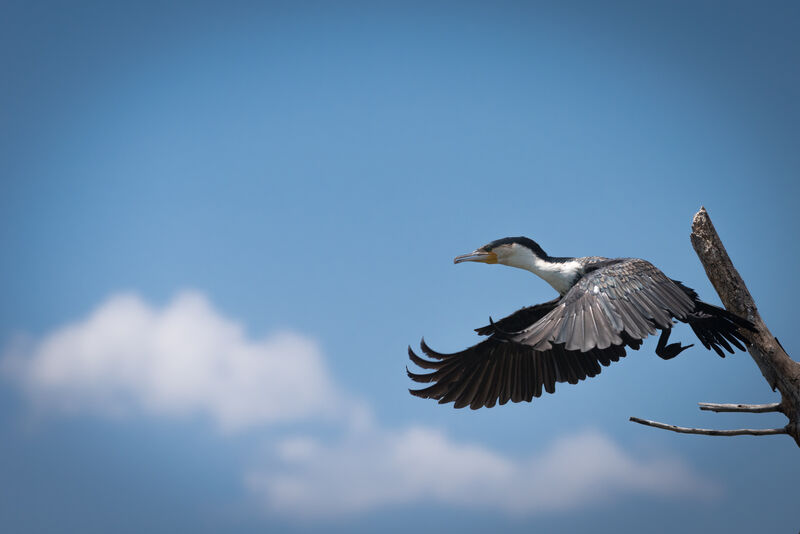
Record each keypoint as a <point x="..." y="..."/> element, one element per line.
<point x="604" y="306"/>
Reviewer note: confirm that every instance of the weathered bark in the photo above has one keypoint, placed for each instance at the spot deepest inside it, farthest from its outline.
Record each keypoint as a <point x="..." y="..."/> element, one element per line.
<point x="780" y="371"/>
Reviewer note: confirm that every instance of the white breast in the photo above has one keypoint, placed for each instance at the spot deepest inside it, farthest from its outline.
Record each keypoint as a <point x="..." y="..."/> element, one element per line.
<point x="559" y="275"/>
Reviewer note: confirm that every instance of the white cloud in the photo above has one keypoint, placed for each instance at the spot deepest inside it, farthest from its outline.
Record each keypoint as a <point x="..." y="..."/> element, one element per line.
<point x="380" y="468"/>
<point x="186" y="359"/>
<point x="181" y="360"/>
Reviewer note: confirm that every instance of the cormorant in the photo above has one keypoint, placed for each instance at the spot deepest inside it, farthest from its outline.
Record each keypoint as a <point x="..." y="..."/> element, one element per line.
<point x="604" y="305"/>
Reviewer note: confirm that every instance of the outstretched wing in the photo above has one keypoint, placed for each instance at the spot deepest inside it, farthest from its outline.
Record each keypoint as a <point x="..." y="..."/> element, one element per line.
<point x="616" y="301"/>
<point x="499" y="370"/>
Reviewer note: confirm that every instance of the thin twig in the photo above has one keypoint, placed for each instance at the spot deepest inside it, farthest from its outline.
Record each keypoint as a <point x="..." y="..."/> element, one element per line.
<point x="752" y="408"/>
<point x="708" y="432"/>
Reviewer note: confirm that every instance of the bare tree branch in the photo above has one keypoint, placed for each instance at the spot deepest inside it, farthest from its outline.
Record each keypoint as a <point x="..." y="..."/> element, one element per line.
<point x="752" y="408"/>
<point x="780" y="371"/>
<point x="709" y="432"/>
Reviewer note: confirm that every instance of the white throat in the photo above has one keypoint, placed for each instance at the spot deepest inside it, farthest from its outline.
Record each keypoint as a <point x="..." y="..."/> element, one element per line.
<point x="560" y="275"/>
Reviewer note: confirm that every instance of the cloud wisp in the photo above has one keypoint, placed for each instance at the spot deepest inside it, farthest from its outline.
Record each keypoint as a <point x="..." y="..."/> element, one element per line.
<point x="186" y="359"/>
<point x="422" y="465"/>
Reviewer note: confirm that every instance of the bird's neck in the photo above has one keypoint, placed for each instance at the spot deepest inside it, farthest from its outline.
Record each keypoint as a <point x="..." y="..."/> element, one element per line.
<point x="561" y="273"/>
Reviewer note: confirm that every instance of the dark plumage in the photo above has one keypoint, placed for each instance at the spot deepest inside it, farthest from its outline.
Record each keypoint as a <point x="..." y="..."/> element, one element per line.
<point x="605" y="306"/>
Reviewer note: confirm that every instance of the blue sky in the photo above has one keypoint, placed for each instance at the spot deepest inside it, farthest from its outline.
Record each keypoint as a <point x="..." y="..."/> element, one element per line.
<point x="222" y="225"/>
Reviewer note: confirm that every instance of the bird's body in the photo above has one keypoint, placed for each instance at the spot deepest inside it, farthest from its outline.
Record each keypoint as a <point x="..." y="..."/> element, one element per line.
<point x="604" y="306"/>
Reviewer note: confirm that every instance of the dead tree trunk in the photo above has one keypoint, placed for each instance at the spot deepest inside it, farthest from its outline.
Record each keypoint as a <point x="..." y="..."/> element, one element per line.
<point x="781" y="372"/>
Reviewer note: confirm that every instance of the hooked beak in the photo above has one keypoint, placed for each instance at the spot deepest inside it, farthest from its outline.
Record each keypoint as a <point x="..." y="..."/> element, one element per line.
<point x="479" y="255"/>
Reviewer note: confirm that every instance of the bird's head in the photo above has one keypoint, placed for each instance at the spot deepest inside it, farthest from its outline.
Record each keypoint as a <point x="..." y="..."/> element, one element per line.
<point x="512" y="251"/>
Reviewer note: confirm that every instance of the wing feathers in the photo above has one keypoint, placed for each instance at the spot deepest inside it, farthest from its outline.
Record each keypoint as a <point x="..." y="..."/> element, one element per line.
<point x="496" y="371"/>
<point x="425" y="364"/>
<point x="616" y="296"/>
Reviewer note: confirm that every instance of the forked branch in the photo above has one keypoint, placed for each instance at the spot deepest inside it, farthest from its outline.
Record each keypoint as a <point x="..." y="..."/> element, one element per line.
<point x="780" y="371"/>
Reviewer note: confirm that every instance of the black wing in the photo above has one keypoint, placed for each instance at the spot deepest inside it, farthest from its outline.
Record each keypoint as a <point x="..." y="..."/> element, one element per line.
<point x="496" y="370"/>
<point x="499" y="370"/>
<point x="617" y="301"/>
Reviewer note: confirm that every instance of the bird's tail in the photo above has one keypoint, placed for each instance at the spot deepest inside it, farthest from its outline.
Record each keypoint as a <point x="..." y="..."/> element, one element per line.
<point x="717" y="328"/>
